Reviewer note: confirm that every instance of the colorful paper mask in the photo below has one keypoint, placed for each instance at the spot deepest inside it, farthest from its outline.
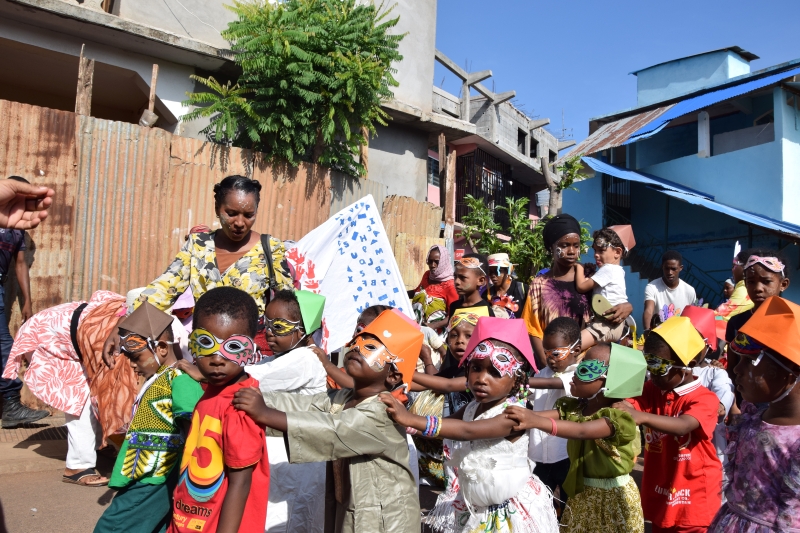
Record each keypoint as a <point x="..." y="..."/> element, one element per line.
<point x="281" y="327"/>
<point x="498" y="261"/>
<point x="626" y="372"/>
<point x="590" y="370"/>
<point x="469" y="315"/>
<point x="773" y="264"/>
<point x="502" y="359"/>
<point x="657" y="366"/>
<point x="682" y="337"/>
<point x="559" y="354"/>
<point x="373" y="351"/>
<point x="239" y="349"/>
<point x="133" y="343"/>
<point x="471" y="262"/>
<point x="511" y="332"/>
<point x="776" y="325"/>
<point x="745" y="345"/>
<point x="401" y="339"/>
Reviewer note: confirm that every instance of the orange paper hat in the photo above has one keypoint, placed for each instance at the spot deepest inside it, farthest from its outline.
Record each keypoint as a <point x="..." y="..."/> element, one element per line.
<point x="776" y="325"/>
<point x="625" y="235"/>
<point x="704" y="321"/>
<point x="401" y="337"/>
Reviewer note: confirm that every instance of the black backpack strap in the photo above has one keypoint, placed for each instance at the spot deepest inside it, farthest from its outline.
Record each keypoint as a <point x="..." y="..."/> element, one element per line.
<point x="73" y="328"/>
<point x="273" y="283"/>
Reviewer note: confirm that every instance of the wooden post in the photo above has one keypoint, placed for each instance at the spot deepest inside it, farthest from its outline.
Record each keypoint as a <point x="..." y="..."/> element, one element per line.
<point x="83" y="97"/>
<point x="151" y="106"/>
<point x="450" y="198"/>
<point x="554" y="205"/>
<point x="363" y="151"/>
<point x="442" y="168"/>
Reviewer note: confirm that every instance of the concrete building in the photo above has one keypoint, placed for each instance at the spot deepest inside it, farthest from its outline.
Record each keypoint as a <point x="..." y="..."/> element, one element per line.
<point x="710" y="156"/>
<point x="41" y="41"/>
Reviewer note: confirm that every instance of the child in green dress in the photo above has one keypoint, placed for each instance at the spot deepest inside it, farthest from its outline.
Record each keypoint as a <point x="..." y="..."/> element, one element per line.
<point x="602" y="495"/>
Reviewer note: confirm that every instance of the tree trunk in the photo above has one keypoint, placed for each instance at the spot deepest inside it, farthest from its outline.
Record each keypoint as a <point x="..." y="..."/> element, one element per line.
<point x="554" y="206"/>
<point x="363" y="151"/>
<point x="319" y="147"/>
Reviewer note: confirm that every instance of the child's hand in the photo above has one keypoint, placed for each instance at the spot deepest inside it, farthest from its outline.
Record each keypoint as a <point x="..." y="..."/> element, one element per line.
<point x="396" y="410"/>
<point x="523" y="417"/>
<point x="322" y="356"/>
<point x="250" y="400"/>
<point x="184" y="365"/>
<point x="630" y="409"/>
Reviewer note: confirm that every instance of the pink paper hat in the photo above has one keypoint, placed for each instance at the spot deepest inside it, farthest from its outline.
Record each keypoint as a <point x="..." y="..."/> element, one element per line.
<point x="512" y="332"/>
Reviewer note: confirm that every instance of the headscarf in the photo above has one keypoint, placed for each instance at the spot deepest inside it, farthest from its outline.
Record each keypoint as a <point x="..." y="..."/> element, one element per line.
<point x="444" y="270"/>
<point x="557" y="227"/>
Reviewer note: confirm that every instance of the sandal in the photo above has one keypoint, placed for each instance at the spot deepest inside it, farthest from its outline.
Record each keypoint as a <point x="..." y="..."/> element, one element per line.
<point x="80" y="478"/>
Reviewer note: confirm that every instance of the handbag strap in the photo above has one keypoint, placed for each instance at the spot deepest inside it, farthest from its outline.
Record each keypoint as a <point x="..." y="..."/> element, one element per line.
<point x="273" y="283"/>
<point x="73" y="329"/>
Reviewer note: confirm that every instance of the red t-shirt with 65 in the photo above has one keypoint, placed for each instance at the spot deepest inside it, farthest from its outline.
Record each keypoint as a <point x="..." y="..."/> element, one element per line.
<point x="220" y="437"/>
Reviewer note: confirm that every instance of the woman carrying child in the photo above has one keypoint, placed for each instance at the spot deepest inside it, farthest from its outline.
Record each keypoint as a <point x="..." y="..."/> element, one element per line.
<point x="436" y="291"/>
<point x="764" y="446"/>
<point x="602" y="495"/>
<point x="491" y="486"/>
<point x="554" y="294"/>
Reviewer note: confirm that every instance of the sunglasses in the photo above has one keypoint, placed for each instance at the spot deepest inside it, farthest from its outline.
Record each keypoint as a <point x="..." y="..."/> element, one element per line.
<point x="657" y="366"/>
<point x="281" y="327"/>
<point x="559" y="354"/>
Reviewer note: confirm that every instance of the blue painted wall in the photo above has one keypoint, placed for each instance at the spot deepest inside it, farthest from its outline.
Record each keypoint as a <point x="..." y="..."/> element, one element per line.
<point x="586" y="204"/>
<point x="682" y="76"/>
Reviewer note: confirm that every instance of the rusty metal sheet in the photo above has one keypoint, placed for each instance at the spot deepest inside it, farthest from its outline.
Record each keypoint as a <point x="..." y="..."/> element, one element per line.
<point x="346" y="190"/>
<point x="402" y="214"/>
<point x="411" y="252"/>
<point x="39" y="145"/>
<point x="195" y="167"/>
<point x="293" y="200"/>
<point x="615" y="133"/>
<point x="121" y="228"/>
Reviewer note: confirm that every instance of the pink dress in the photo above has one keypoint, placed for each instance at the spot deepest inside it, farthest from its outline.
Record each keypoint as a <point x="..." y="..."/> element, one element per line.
<point x="55" y="374"/>
<point x="764" y="492"/>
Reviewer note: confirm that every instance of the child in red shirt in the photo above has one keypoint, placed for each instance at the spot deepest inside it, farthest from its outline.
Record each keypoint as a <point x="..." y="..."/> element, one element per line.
<point x="682" y="480"/>
<point x="224" y="472"/>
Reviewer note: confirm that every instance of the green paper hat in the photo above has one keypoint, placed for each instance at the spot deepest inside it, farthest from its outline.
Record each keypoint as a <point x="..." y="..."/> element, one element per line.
<point x="311" y="306"/>
<point x="626" y="372"/>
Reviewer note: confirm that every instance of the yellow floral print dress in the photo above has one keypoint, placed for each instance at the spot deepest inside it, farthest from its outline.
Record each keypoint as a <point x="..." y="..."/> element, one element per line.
<point x="195" y="267"/>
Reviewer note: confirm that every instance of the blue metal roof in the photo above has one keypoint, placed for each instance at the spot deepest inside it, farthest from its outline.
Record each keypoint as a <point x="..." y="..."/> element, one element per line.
<point x="694" y="197"/>
<point x="697" y="103"/>
<point x="653" y="181"/>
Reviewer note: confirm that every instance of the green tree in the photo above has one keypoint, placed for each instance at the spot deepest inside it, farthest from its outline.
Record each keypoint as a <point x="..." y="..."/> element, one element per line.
<point x="314" y="75"/>
<point x="525" y="247"/>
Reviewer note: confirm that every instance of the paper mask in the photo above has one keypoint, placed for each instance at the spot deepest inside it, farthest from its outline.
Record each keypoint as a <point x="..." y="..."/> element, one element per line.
<point x="373" y="351"/>
<point x="591" y="370"/>
<point x="502" y="359"/>
<point x="239" y="349"/>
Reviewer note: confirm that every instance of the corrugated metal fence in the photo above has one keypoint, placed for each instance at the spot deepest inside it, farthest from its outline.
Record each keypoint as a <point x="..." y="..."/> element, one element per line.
<point x="126" y="196"/>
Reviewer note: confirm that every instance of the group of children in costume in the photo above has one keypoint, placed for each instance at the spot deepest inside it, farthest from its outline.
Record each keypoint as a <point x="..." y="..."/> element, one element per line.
<point x="240" y="443"/>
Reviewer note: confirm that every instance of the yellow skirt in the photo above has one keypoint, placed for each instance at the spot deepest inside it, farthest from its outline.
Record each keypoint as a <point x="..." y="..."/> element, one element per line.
<point x="602" y="510"/>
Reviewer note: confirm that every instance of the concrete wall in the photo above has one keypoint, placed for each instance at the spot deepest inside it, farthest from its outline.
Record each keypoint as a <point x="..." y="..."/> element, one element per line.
<point x="173" y="79"/>
<point x="398" y="158"/>
<point x="586" y="204"/>
<point x="683" y="76"/>
<point x="415" y="71"/>
<point x="95" y="5"/>
<point x="203" y="20"/>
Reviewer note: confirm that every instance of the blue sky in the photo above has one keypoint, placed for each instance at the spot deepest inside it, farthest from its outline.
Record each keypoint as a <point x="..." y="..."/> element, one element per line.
<point x="576" y="55"/>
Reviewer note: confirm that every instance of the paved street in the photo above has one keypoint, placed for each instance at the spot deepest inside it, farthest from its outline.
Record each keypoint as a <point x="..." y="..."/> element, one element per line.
<point x="33" y="498"/>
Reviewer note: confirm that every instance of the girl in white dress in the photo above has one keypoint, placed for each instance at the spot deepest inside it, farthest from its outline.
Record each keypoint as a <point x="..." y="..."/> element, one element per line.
<point x="490" y="482"/>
